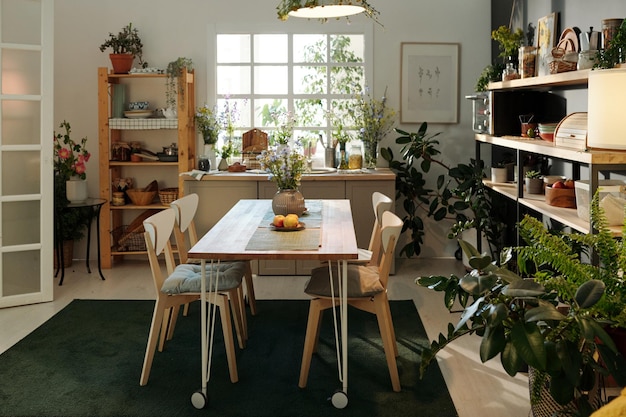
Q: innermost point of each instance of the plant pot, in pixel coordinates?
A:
(76, 190)
(499, 175)
(68, 254)
(121, 63)
(534, 185)
(288, 201)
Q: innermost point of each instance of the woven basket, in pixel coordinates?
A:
(560, 64)
(126, 240)
(140, 197)
(167, 195)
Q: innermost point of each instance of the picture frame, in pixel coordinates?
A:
(429, 82)
(546, 40)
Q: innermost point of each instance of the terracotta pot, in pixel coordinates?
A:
(122, 63)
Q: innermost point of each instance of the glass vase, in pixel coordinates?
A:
(288, 201)
(343, 157)
(370, 153)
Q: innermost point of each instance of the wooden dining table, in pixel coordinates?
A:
(246, 233)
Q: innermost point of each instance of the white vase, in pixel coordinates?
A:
(209, 150)
(76, 190)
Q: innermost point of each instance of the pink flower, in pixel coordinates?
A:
(79, 168)
(64, 153)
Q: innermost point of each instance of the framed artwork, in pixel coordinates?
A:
(546, 39)
(429, 82)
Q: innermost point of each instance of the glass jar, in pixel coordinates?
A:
(355, 160)
(203, 163)
(527, 59)
(510, 72)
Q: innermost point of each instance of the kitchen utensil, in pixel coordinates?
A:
(171, 150)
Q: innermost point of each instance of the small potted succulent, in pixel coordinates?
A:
(126, 46)
(534, 182)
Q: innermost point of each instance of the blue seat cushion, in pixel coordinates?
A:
(363, 281)
(186, 277)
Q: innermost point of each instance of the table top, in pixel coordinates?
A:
(228, 239)
(90, 202)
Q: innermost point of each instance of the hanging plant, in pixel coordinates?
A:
(286, 6)
(174, 72)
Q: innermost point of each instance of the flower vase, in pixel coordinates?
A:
(76, 190)
(209, 151)
(223, 166)
(288, 201)
(370, 153)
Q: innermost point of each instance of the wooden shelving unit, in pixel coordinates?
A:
(112, 130)
(596, 160)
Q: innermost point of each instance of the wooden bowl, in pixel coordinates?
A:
(140, 197)
(561, 197)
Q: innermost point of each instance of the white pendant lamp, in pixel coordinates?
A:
(324, 9)
(605, 124)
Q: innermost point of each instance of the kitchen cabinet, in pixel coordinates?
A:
(218, 192)
(596, 162)
(153, 133)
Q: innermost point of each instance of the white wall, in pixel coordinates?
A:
(170, 29)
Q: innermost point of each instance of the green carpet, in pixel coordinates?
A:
(86, 361)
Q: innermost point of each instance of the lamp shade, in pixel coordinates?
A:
(326, 10)
(605, 124)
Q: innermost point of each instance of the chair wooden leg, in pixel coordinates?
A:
(155, 327)
(173, 319)
(242, 312)
(250, 288)
(310, 340)
(167, 317)
(222, 303)
(235, 306)
(186, 310)
(385, 325)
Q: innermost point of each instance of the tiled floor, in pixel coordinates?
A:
(477, 389)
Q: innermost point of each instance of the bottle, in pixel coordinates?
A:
(355, 160)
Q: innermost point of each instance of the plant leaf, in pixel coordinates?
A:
(589, 293)
(511, 361)
(492, 343)
(545, 311)
(528, 342)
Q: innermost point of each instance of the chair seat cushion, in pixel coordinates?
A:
(186, 277)
(363, 281)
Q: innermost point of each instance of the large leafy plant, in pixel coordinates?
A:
(458, 194)
(518, 319)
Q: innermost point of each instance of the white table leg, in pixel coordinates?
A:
(340, 398)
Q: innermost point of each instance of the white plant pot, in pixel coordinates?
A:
(76, 190)
(499, 175)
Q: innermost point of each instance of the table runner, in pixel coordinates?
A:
(265, 238)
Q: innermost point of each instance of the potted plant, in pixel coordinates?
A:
(174, 71)
(286, 6)
(70, 158)
(613, 55)
(553, 323)
(460, 192)
(126, 46)
(534, 182)
(285, 167)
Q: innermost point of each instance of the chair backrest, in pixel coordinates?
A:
(380, 203)
(158, 230)
(391, 227)
(185, 210)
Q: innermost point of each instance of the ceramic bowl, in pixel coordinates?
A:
(138, 105)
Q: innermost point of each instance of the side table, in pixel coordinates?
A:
(96, 205)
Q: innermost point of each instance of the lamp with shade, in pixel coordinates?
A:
(324, 9)
(607, 89)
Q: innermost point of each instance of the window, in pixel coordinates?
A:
(308, 74)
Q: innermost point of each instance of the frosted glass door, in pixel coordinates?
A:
(26, 198)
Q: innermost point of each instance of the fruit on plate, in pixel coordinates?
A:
(278, 220)
(291, 221)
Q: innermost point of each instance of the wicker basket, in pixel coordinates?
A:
(140, 197)
(126, 240)
(560, 64)
(167, 195)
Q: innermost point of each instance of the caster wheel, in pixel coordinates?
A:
(199, 400)
(339, 399)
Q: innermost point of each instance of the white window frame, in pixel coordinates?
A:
(339, 28)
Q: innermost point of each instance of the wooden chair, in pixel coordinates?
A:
(371, 256)
(182, 286)
(185, 208)
(367, 290)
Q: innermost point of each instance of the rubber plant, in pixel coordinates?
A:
(459, 193)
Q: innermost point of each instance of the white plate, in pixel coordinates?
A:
(138, 114)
